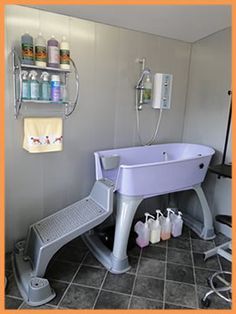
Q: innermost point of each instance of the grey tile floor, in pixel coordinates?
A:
(169, 275)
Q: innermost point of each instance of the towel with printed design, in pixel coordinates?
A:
(43, 135)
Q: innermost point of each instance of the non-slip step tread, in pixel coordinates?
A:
(69, 219)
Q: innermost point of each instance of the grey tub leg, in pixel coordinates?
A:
(126, 208)
(116, 261)
(204, 230)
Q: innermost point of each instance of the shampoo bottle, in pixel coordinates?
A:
(40, 51)
(166, 226)
(53, 53)
(143, 231)
(55, 88)
(64, 54)
(177, 225)
(34, 85)
(45, 90)
(25, 85)
(147, 92)
(155, 233)
(27, 49)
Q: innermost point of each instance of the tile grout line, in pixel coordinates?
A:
(58, 304)
(194, 274)
(100, 289)
(135, 278)
(165, 275)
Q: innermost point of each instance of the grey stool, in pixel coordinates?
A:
(223, 277)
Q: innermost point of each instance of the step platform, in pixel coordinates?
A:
(47, 236)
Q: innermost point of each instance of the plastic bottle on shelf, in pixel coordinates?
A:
(64, 54)
(177, 225)
(25, 85)
(40, 51)
(147, 92)
(143, 231)
(45, 89)
(166, 226)
(55, 88)
(27, 49)
(155, 233)
(53, 53)
(34, 85)
(64, 94)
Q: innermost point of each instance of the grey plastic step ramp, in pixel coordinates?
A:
(47, 236)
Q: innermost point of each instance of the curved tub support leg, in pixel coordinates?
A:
(204, 230)
(126, 208)
(116, 261)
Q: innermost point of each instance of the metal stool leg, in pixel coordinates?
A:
(218, 291)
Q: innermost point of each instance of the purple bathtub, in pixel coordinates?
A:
(154, 170)
(142, 172)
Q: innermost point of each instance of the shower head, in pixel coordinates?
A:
(140, 81)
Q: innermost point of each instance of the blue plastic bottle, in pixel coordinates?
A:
(44, 90)
(55, 88)
(25, 85)
(34, 85)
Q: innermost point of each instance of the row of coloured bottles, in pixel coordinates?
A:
(32, 89)
(161, 228)
(51, 54)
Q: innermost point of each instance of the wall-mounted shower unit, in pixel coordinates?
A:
(162, 87)
(155, 91)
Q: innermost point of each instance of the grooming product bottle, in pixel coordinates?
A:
(45, 88)
(147, 91)
(53, 53)
(27, 49)
(143, 231)
(177, 225)
(34, 85)
(25, 86)
(64, 93)
(166, 226)
(55, 88)
(64, 54)
(40, 51)
(155, 233)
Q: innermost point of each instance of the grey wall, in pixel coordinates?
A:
(207, 113)
(40, 184)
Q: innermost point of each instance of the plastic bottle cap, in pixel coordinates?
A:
(64, 38)
(24, 75)
(55, 78)
(40, 34)
(33, 75)
(45, 76)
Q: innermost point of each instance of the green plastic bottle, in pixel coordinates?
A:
(27, 49)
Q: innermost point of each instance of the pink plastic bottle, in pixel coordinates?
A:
(143, 231)
(53, 53)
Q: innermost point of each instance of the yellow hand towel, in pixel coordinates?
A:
(42, 135)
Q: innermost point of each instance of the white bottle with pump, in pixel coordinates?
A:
(155, 233)
(166, 226)
(143, 231)
(177, 225)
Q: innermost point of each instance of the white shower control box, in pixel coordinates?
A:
(162, 87)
